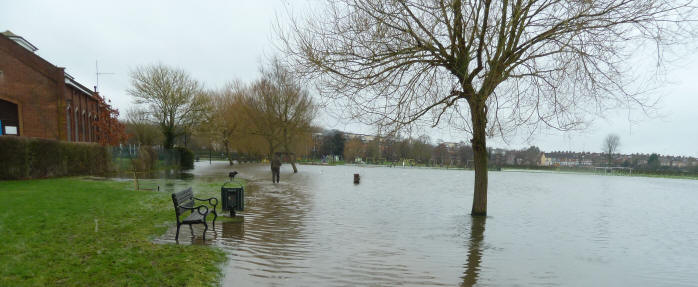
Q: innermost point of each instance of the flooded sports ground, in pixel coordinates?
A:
(411, 227)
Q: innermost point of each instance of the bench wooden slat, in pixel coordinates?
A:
(195, 217)
(184, 195)
(184, 198)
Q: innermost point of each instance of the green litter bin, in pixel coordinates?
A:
(232, 197)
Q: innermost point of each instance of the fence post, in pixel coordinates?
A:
(135, 179)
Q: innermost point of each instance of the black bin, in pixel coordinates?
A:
(232, 197)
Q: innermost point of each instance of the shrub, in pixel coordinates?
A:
(147, 158)
(22, 158)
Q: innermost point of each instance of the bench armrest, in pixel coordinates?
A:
(212, 201)
(197, 208)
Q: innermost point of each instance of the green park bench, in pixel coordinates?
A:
(184, 202)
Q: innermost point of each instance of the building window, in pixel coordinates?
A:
(67, 123)
(84, 123)
(77, 139)
(9, 118)
(89, 127)
(96, 128)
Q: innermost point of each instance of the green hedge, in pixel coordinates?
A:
(23, 158)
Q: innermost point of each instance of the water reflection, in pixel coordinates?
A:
(233, 230)
(477, 234)
(276, 240)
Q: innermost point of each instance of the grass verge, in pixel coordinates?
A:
(77, 232)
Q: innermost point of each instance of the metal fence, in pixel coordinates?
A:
(136, 158)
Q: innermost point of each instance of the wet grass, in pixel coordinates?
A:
(676, 176)
(78, 232)
(686, 175)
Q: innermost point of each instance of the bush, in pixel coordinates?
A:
(186, 158)
(22, 158)
(147, 158)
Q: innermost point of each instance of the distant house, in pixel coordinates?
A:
(568, 159)
(364, 138)
(39, 99)
(544, 161)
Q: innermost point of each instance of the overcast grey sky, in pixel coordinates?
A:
(217, 41)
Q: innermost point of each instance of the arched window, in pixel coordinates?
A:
(89, 127)
(9, 118)
(84, 123)
(76, 120)
(67, 123)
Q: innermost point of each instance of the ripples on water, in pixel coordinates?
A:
(411, 227)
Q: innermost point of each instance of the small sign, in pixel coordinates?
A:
(10, 130)
(0, 128)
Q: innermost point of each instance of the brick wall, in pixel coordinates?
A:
(83, 112)
(42, 95)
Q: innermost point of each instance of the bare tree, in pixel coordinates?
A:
(353, 149)
(279, 110)
(610, 146)
(258, 109)
(140, 128)
(486, 67)
(373, 150)
(225, 124)
(440, 154)
(422, 149)
(174, 99)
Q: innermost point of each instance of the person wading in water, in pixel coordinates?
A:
(275, 167)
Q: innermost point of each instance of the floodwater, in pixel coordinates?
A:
(411, 227)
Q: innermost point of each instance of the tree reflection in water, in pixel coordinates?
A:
(472, 268)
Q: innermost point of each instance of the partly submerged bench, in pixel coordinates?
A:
(184, 202)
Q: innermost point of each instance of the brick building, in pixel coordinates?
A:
(38, 99)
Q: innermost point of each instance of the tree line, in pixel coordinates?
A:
(379, 150)
(421, 151)
(271, 115)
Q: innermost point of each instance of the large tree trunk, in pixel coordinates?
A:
(479, 119)
(227, 152)
(169, 134)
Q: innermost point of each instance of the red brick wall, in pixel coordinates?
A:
(39, 90)
(86, 107)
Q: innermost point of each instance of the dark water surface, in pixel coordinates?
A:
(411, 227)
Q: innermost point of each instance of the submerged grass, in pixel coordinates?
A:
(78, 232)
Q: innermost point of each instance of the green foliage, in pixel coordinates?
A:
(36, 158)
(333, 143)
(653, 161)
(186, 157)
(339, 162)
(94, 233)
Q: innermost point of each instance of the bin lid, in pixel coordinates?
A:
(232, 184)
